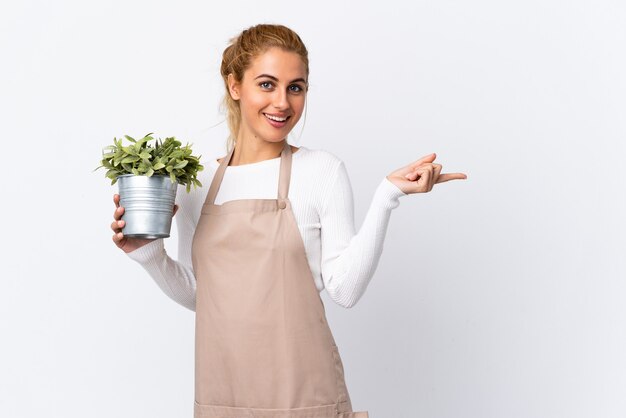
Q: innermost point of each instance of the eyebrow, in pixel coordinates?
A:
(275, 79)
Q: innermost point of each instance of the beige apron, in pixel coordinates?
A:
(263, 346)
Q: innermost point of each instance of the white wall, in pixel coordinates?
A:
(500, 296)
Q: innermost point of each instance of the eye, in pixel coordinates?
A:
(295, 88)
(265, 84)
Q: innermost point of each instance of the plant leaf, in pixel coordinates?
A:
(181, 164)
(130, 159)
(130, 150)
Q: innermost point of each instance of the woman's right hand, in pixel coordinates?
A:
(126, 244)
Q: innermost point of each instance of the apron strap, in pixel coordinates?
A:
(283, 181)
(217, 178)
(285, 172)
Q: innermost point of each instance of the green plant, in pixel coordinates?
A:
(166, 157)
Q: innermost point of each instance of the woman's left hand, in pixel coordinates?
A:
(421, 175)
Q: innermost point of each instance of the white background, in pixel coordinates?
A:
(499, 296)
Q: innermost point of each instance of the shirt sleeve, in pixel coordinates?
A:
(349, 259)
(175, 277)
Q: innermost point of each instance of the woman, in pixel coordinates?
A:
(275, 228)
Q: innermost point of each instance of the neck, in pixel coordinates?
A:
(252, 151)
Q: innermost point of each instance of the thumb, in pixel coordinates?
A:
(425, 159)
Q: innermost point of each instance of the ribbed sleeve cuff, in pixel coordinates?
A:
(149, 253)
(387, 195)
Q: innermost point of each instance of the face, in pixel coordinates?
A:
(271, 95)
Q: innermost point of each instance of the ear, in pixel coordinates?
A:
(233, 87)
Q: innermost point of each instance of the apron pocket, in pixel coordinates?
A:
(218, 411)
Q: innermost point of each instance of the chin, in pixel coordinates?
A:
(277, 138)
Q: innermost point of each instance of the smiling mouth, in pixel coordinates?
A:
(276, 118)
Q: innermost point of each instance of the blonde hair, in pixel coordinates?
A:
(238, 56)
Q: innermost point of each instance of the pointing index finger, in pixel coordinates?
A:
(451, 176)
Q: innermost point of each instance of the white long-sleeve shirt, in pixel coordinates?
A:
(341, 260)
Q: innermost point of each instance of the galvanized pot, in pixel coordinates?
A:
(148, 205)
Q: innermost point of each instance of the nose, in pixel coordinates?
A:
(280, 101)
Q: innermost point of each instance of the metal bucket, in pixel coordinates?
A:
(148, 205)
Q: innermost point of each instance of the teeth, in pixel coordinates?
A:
(276, 118)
